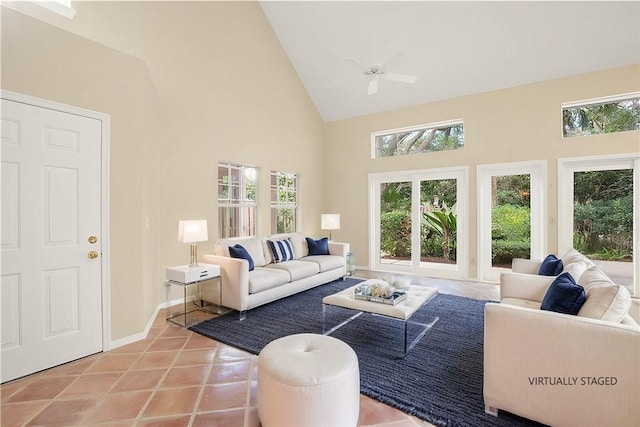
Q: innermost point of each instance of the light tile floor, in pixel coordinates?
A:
(174, 377)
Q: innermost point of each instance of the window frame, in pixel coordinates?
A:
(593, 102)
(277, 204)
(428, 126)
(247, 226)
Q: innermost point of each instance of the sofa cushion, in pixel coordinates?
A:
(593, 276)
(575, 263)
(564, 295)
(608, 303)
(281, 250)
(297, 269)
(521, 303)
(263, 278)
(326, 262)
(253, 245)
(318, 247)
(238, 251)
(550, 266)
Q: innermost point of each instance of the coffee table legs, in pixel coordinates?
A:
(407, 345)
(335, 328)
(425, 329)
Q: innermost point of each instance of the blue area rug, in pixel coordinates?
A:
(439, 381)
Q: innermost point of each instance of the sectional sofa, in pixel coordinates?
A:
(257, 277)
(562, 369)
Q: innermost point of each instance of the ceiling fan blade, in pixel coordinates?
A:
(356, 62)
(399, 58)
(373, 86)
(403, 78)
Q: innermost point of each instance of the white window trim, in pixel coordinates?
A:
(590, 102)
(538, 202)
(277, 205)
(460, 270)
(598, 101)
(436, 125)
(242, 202)
(566, 169)
(32, 7)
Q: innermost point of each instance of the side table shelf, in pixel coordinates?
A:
(192, 277)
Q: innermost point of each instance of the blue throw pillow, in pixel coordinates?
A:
(318, 247)
(237, 251)
(564, 295)
(281, 250)
(551, 266)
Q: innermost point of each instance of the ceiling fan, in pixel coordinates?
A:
(376, 72)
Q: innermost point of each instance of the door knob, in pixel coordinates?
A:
(92, 239)
(93, 254)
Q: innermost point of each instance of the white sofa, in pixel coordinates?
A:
(559, 369)
(243, 290)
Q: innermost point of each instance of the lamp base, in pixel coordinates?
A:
(194, 255)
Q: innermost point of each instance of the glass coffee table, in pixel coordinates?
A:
(417, 297)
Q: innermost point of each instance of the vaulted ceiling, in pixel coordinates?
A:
(454, 48)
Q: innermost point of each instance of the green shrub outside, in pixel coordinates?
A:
(603, 229)
(510, 233)
(395, 233)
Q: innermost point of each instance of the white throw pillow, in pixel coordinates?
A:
(576, 269)
(594, 277)
(608, 303)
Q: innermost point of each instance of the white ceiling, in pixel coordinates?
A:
(455, 48)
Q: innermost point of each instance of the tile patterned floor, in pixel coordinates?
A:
(174, 377)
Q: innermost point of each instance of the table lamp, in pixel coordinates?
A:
(193, 231)
(330, 222)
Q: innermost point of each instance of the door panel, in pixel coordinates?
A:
(511, 215)
(404, 238)
(599, 215)
(51, 204)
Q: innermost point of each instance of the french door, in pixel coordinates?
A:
(599, 205)
(418, 222)
(53, 236)
(511, 215)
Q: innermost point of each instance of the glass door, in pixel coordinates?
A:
(417, 222)
(599, 214)
(511, 209)
(394, 226)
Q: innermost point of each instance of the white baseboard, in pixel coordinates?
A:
(142, 335)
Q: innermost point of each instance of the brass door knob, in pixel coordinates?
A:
(93, 254)
(92, 239)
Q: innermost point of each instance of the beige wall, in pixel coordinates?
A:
(187, 87)
(49, 63)
(516, 124)
(194, 86)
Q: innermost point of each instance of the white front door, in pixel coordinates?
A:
(51, 223)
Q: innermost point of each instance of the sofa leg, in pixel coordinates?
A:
(242, 315)
(491, 410)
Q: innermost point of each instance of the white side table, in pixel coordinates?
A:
(185, 277)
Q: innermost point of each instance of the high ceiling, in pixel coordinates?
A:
(454, 48)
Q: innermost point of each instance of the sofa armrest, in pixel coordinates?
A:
(560, 369)
(634, 310)
(337, 248)
(235, 280)
(527, 266)
(524, 286)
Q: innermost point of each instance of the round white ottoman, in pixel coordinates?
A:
(308, 380)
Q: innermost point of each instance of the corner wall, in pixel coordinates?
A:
(187, 84)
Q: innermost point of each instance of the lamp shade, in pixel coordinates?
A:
(193, 231)
(330, 221)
